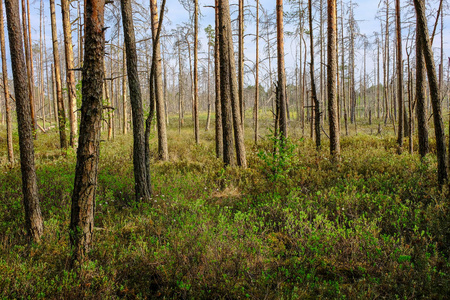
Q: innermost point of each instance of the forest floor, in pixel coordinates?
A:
(290, 226)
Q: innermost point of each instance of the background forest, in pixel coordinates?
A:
(224, 149)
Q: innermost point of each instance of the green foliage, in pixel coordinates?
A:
(78, 93)
(289, 226)
(278, 162)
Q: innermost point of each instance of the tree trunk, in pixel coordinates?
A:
(224, 35)
(29, 67)
(195, 108)
(54, 101)
(41, 64)
(9, 133)
(386, 51)
(80, 35)
(208, 117)
(70, 74)
(378, 78)
(160, 112)
(124, 94)
(33, 217)
(352, 93)
(59, 96)
(313, 84)
(281, 72)
(219, 115)
(335, 147)
(344, 98)
(142, 190)
(83, 198)
(241, 61)
(422, 30)
(399, 76)
(180, 89)
(107, 99)
(256, 74)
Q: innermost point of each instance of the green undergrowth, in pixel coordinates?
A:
(293, 225)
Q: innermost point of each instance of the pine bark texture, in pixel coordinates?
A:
(228, 77)
(70, 74)
(33, 217)
(314, 98)
(28, 62)
(9, 139)
(57, 64)
(195, 108)
(421, 110)
(160, 111)
(399, 76)
(142, 191)
(83, 198)
(335, 147)
(225, 94)
(281, 71)
(219, 129)
(422, 28)
(256, 74)
(241, 61)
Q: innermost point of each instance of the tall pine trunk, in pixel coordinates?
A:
(70, 74)
(57, 64)
(142, 190)
(281, 72)
(314, 98)
(225, 80)
(422, 30)
(256, 74)
(29, 65)
(33, 217)
(195, 108)
(83, 197)
(399, 76)
(219, 115)
(333, 118)
(9, 137)
(160, 111)
(241, 60)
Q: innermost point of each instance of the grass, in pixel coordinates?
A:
(373, 226)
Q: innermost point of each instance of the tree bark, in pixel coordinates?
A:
(41, 64)
(33, 217)
(208, 84)
(229, 58)
(9, 138)
(241, 61)
(399, 76)
(29, 67)
(160, 112)
(83, 198)
(180, 89)
(124, 94)
(219, 115)
(257, 73)
(313, 84)
(142, 190)
(281, 72)
(195, 108)
(224, 35)
(70, 74)
(422, 30)
(57, 62)
(335, 147)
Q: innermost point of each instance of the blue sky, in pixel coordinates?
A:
(365, 12)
